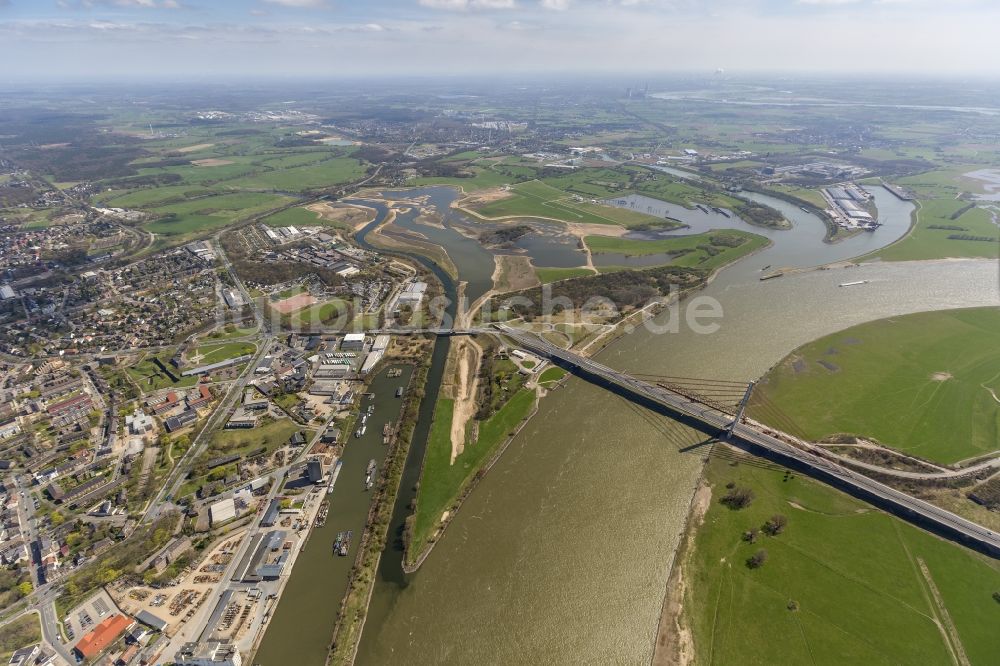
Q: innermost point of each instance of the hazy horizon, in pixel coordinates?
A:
(302, 39)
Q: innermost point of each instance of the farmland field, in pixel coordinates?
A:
(209, 213)
(923, 384)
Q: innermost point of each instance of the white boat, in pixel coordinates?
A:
(852, 284)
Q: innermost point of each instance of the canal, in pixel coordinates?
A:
(303, 622)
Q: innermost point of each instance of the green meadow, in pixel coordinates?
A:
(922, 383)
(547, 275)
(695, 251)
(214, 353)
(842, 584)
(209, 213)
(925, 242)
(537, 199)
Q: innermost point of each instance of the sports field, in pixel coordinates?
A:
(327, 313)
(293, 303)
(842, 584)
(927, 384)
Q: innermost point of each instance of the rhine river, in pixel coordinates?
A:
(562, 553)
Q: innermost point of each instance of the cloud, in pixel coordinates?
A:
(462, 5)
(123, 4)
(557, 5)
(304, 4)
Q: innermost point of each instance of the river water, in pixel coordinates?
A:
(562, 553)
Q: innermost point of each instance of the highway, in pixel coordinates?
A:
(773, 442)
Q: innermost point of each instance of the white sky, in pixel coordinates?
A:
(265, 38)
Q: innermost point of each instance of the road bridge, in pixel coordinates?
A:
(767, 442)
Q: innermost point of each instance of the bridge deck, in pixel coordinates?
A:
(716, 420)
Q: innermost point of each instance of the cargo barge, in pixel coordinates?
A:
(324, 509)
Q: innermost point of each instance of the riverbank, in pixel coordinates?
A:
(353, 611)
(414, 559)
(320, 581)
(674, 644)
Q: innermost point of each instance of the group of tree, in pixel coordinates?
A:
(626, 290)
(757, 560)
(737, 497)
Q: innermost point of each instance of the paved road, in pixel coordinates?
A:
(772, 441)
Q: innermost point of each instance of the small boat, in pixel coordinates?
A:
(852, 284)
(370, 474)
(805, 209)
(771, 276)
(337, 543)
(399, 392)
(765, 268)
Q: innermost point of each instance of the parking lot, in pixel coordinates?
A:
(89, 614)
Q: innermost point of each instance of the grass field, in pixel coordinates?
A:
(19, 633)
(547, 275)
(870, 589)
(480, 180)
(230, 331)
(157, 195)
(324, 313)
(686, 193)
(537, 199)
(209, 213)
(308, 177)
(551, 375)
(240, 442)
(150, 378)
(212, 353)
(441, 482)
(295, 217)
(919, 383)
(926, 243)
(695, 251)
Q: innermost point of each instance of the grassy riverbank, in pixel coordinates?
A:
(923, 384)
(825, 595)
(442, 482)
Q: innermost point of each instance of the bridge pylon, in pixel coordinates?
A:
(740, 410)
